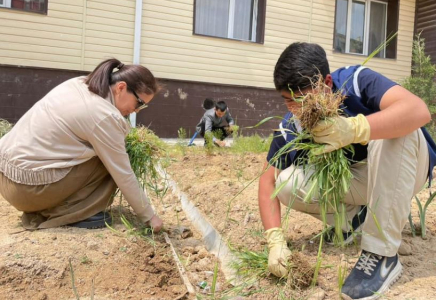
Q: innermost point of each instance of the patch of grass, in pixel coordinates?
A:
(251, 144)
(5, 127)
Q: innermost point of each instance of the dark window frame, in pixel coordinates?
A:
(260, 28)
(44, 12)
(392, 25)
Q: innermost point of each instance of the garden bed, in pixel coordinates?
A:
(122, 264)
(222, 187)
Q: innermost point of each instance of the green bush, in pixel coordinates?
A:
(422, 81)
(5, 127)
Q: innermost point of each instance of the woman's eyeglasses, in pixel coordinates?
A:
(141, 104)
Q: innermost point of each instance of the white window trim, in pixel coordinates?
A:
(232, 20)
(366, 26)
(6, 3)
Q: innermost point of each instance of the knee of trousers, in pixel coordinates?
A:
(290, 192)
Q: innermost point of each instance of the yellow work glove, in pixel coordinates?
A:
(278, 252)
(338, 132)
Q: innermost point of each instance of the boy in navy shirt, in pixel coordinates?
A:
(393, 159)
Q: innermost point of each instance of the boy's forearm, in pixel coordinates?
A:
(269, 209)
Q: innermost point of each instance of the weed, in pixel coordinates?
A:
(251, 144)
(422, 210)
(73, 281)
(181, 144)
(85, 260)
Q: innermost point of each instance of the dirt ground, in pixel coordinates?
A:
(222, 187)
(120, 264)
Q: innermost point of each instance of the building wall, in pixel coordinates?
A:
(74, 35)
(426, 25)
(171, 50)
(77, 35)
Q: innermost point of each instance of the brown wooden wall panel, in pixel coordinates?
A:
(177, 105)
(425, 22)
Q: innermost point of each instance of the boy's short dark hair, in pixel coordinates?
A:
(221, 105)
(208, 103)
(298, 64)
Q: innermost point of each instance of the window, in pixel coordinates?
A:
(232, 19)
(39, 6)
(363, 25)
(5, 3)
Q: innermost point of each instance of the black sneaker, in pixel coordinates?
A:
(371, 276)
(356, 224)
(98, 220)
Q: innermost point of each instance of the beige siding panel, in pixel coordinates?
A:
(44, 27)
(220, 61)
(153, 44)
(64, 15)
(115, 39)
(126, 3)
(106, 28)
(64, 2)
(168, 24)
(19, 47)
(205, 76)
(6, 14)
(109, 49)
(29, 55)
(7, 38)
(219, 71)
(106, 42)
(109, 22)
(69, 6)
(114, 17)
(186, 5)
(100, 55)
(165, 10)
(123, 12)
(109, 32)
(41, 34)
(38, 63)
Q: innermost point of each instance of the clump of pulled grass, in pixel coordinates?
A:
(145, 149)
(329, 173)
(5, 127)
(251, 267)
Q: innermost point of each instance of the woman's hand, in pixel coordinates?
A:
(155, 223)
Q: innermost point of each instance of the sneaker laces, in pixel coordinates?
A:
(367, 262)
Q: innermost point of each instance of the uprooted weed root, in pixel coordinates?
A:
(300, 272)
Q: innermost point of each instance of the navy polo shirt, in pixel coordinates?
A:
(364, 90)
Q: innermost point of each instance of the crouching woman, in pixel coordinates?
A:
(63, 160)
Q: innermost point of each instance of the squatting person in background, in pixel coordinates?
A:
(63, 160)
(212, 124)
(393, 158)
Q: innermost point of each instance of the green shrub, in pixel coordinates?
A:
(5, 127)
(422, 81)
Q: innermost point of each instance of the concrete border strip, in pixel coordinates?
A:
(212, 239)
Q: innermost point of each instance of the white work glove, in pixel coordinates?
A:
(278, 252)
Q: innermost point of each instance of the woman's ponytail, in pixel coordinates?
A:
(99, 80)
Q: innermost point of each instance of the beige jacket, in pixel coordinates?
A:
(67, 127)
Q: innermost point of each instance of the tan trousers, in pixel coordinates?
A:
(85, 191)
(396, 169)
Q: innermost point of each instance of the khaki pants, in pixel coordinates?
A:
(86, 190)
(396, 169)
